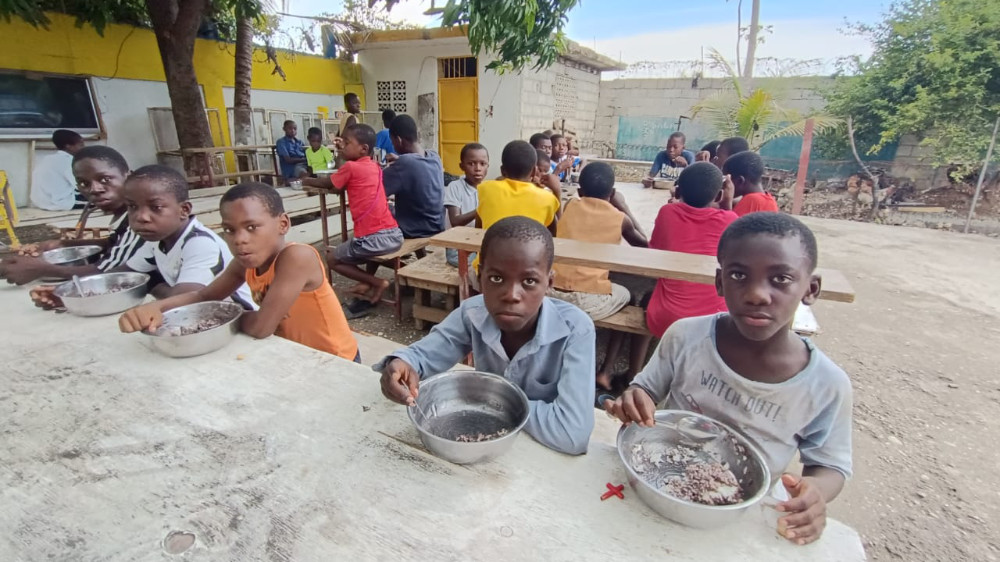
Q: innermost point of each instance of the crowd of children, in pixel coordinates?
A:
(532, 320)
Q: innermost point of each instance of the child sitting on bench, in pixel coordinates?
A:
(461, 197)
(288, 281)
(745, 170)
(542, 345)
(747, 369)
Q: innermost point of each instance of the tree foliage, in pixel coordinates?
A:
(935, 73)
(754, 113)
(518, 32)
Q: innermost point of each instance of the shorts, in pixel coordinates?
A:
(598, 307)
(451, 256)
(640, 287)
(357, 251)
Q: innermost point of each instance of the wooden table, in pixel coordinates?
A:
(626, 259)
(267, 450)
(324, 211)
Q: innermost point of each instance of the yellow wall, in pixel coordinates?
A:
(66, 49)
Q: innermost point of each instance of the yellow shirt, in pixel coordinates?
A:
(500, 199)
(318, 160)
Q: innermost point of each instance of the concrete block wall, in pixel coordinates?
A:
(912, 161)
(539, 105)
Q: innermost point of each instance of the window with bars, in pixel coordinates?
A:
(391, 95)
(456, 67)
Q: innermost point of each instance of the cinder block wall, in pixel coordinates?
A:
(565, 90)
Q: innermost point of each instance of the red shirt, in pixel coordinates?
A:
(682, 228)
(756, 202)
(369, 207)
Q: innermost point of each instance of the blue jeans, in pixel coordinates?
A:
(451, 256)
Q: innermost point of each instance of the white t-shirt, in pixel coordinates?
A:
(53, 186)
(199, 256)
(462, 195)
(810, 412)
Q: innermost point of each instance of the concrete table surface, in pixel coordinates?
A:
(267, 450)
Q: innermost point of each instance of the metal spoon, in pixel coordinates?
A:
(698, 429)
(76, 283)
(422, 412)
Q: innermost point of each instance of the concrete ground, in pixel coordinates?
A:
(916, 344)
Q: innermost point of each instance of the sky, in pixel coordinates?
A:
(672, 30)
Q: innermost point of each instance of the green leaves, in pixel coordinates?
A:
(935, 73)
(517, 32)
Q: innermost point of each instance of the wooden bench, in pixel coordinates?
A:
(395, 261)
(425, 276)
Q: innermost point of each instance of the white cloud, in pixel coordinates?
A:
(791, 39)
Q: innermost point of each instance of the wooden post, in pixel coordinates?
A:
(800, 181)
(982, 175)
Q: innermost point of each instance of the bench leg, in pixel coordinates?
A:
(424, 298)
(396, 263)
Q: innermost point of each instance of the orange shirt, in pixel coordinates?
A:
(590, 220)
(315, 319)
(756, 202)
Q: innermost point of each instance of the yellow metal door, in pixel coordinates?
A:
(458, 119)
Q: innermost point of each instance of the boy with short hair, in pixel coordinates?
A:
(291, 152)
(544, 346)
(562, 162)
(318, 157)
(383, 142)
(515, 194)
(592, 218)
(745, 170)
(729, 147)
(542, 142)
(707, 152)
(186, 253)
(352, 103)
(53, 186)
(670, 161)
(100, 173)
(461, 197)
(749, 370)
(375, 231)
(416, 178)
(288, 281)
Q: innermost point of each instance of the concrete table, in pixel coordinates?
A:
(267, 450)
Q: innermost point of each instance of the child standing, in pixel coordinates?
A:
(544, 346)
(669, 162)
(53, 187)
(288, 281)
(186, 253)
(749, 370)
(745, 170)
(375, 231)
(592, 218)
(318, 157)
(100, 173)
(461, 197)
(416, 178)
(291, 152)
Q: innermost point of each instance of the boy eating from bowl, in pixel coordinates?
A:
(544, 346)
(748, 369)
(288, 281)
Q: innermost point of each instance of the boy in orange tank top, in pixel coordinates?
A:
(288, 281)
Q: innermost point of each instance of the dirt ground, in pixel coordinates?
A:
(926, 385)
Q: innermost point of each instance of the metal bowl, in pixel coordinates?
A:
(170, 340)
(73, 255)
(743, 458)
(105, 293)
(468, 403)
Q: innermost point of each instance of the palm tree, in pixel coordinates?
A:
(753, 113)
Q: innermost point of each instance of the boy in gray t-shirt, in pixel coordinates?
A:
(747, 369)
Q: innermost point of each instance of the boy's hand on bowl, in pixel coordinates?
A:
(634, 405)
(144, 317)
(44, 298)
(647, 182)
(400, 382)
(807, 510)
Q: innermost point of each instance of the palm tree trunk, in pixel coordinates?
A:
(175, 24)
(242, 116)
(752, 40)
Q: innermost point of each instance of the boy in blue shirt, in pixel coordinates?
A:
(543, 345)
(749, 370)
(669, 162)
(291, 152)
(383, 142)
(416, 178)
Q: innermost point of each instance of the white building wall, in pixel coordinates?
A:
(565, 90)
(415, 62)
